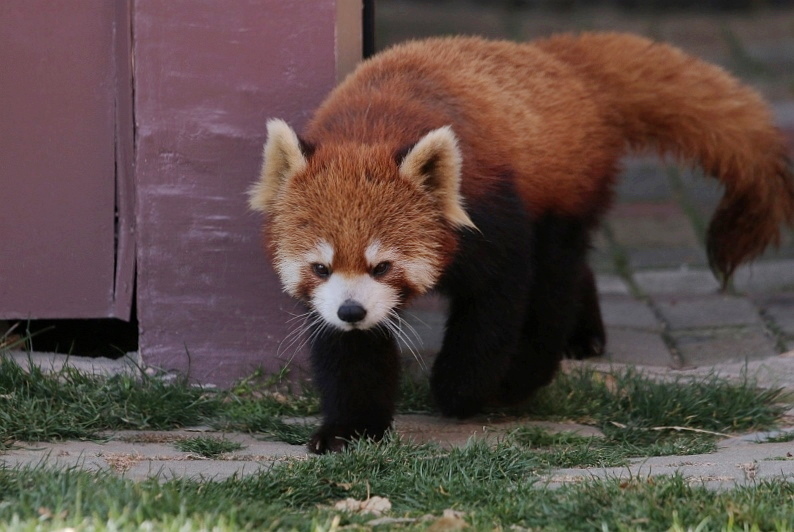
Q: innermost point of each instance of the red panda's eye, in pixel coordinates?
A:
(381, 269)
(321, 270)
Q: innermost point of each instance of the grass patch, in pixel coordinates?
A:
(639, 416)
(250, 416)
(567, 449)
(415, 396)
(491, 488)
(783, 437)
(37, 405)
(637, 409)
(207, 447)
(270, 406)
(67, 404)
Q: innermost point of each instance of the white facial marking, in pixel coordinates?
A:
(378, 299)
(421, 273)
(371, 253)
(323, 253)
(376, 253)
(291, 269)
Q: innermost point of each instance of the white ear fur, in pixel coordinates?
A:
(282, 158)
(435, 163)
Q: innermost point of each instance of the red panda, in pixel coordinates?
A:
(479, 169)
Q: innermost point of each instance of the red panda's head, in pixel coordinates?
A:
(356, 229)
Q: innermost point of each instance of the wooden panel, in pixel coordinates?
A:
(208, 76)
(57, 158)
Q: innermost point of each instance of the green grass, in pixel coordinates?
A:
(567, 449)
(67, 404)
(493, 486)
(629, 406)
(639, 416)
(270, 406)
(779, 438)
(415, 395)
(208, 447)
(45, 406)
(654, 417)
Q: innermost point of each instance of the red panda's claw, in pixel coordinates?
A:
(335, 438)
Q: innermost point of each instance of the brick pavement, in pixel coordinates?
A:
(654, 238)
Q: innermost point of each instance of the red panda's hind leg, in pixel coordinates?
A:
(561, 314)
(589, 337)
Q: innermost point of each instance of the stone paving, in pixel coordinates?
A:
(734, 465)
(654, 239)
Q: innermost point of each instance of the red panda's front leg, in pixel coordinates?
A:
(357, 374)
(487, 284)
(482, 334)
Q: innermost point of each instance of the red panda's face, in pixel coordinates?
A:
(353, 231)
(354, 239)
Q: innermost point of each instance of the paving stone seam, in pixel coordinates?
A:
(774, 329)
(666, 331)
(688, 204)
(739, 328)
(625, 272)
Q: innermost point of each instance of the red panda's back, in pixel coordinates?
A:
(516, 110)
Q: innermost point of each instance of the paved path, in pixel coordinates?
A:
(142, 454)
(736, 465)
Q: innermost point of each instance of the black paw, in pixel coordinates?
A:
(525, 376)
(334, 438)
(456, 397)
(588, 347)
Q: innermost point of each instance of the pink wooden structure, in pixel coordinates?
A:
(65, 151)
(131, 133)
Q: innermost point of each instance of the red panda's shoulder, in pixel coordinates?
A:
(519, 113)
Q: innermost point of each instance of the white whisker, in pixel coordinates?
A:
(298, 316)
(318, 326)
(416, 317)
(298, 337)
(406, 325)
(289, 341)
(395, 324)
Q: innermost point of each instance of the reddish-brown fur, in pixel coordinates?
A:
(559, 113)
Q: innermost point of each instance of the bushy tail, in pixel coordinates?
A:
(680, 105)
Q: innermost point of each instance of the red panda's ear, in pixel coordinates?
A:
(283, 156)
(435, 163)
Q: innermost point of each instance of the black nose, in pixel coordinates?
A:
(351, 311)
